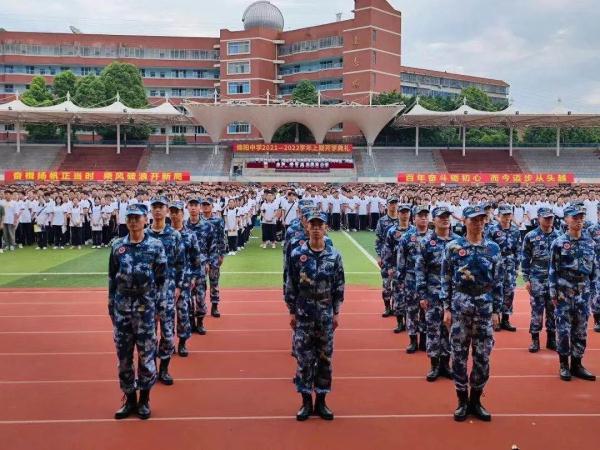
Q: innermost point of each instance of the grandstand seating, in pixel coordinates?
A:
(199, 161)
(480, 161)
(32, 157)
(583, 162)
(388, 162)
(100, 157)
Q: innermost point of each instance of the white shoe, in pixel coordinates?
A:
(20, 245)
(37, 248)
(273, 245)
(263, 246)
(12, 249)
(45, 248)
(79, 247)
(1, 251)
(62, 248)
(55, 248)
(93, 246)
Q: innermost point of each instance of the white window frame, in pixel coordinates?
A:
(239, 82)
(239, 62)
(238, 42)
(237, 124)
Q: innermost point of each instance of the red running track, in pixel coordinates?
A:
(58, 386)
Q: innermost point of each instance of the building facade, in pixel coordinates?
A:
(347, 60)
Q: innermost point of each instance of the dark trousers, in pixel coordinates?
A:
(97, 238)
(352, 222)
(123, 230)
(106, 234)
(76, 236)
(24, 234)
(363, 222)
(336, 220)
(58, 236)
(268, 232)
(374, 220)
(42, 237)
(232, 243)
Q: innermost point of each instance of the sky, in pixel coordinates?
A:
(545, 49)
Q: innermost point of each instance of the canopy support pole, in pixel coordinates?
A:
(417, 141)
(118, 139)
(18, 130)
(558, 141)
(370, 149)
(68, 138)
(464, 141)
(216, 149)
(510, 144)
(167, 140)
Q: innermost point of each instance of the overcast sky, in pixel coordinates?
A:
(545, 49)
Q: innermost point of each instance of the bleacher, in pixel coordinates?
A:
(103, 157)
(32, 157)
(583, 162)
(477, 161)
(388, 162)
(199, 161)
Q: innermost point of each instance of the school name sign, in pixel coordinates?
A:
(486, 178)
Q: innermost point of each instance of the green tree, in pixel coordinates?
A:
(125, 79)
(38, 94)
(64, 82)
(304, 92)
(89, 92)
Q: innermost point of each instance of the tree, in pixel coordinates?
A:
(39, 94)
(64, 82)
(89, 92)
(304, 92)
(125, 79)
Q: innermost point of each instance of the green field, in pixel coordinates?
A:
(252, 267)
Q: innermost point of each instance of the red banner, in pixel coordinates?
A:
(486, 178)
(293, 148)
(95, 176)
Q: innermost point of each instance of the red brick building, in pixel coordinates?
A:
(347, 60)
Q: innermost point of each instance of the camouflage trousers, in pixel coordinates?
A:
(572, 315)
(471, 329)
(198, 301)
(540, 302)
(214, 273)
(415, 316)
(131, 330)
(387, 287)
(596, 305)
(184, 326)
(313, 349)
(398, 299)
(509, 283)
(166, 321)
(438, 341)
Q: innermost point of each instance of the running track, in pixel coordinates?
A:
(58, 387)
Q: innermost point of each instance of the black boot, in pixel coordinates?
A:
(462, 410)
(551, 340)
(434, 372)
(565, 372)
(577, 370)
(422, 342)
(445, 370)
(321, 408)
(214, 310)
(476, 408)
(400, 328)
(505, 324)
(597, 322)
(182, 349)
(128, 407)
(200, 326)
(535, 343)
(163, 372)
(143, 410)
(306, 409)
(412, 347)
(388, 311)
(193, 324)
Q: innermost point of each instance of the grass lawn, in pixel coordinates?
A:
(253, 267)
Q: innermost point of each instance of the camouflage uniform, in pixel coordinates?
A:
(381, 231)
(471, 289)
(175, 251)
(314, 294)
(594, 232)
(408, 251)
(207, 244)
(136, 281)
(509, 241)
(194, 270)
(428, 282)
(390, 261)
(535, 262)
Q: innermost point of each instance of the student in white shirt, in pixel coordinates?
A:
(58, 224)
(363, 212)
(41, 217)
(107, 215)
(75, 215)
(230, 215)
(96, 222)
(268, 217)
(11, 219)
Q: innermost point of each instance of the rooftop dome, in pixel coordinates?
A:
(262, 14)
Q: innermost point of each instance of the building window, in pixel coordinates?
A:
(42, 71)
(9, 69)
(202, 92)
(238, 128)
(30, 70)
(374, 35)
(163, 93)
(238, 47)
(238, 87)
(85, 70)
(199, 129)
(152, 74)
(240, 67)
(374, 57)
(177, 92)
(179, 129)
(338, 127)
(9, 88)
(143, 73)
(179, 74)
(153, 93)
(9, 127)
(52, 70)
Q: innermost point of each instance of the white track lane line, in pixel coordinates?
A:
(363, 251)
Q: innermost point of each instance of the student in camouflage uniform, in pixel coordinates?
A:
(175, 251)
(408, 251)
(594, 232)
(214, 264)
(471, 291)
(535, 263)
(508, 238)
(137, 272)
(207, 243)
(193, 270)
(383, 225)
(428, 281)
(314, 295)
(572, 279)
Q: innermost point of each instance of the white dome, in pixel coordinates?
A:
(262, 14)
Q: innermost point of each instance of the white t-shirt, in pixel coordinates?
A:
(230, 216)
(336, 204)
(292, 207)
(591, 209)
(122, 212)
(10, 210)
(25, 207)
(519, 217)
(76, 213)
(42, 212)
(96, 217)
(58, 217)
(268, 212)
(107, 211)
(362, 206)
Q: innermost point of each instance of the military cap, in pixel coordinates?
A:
(545, 212)
(176, 205)
(440, 211)
(159, 201)
(136, 210)
(574, 210)
(317, 215)
(473, 211)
